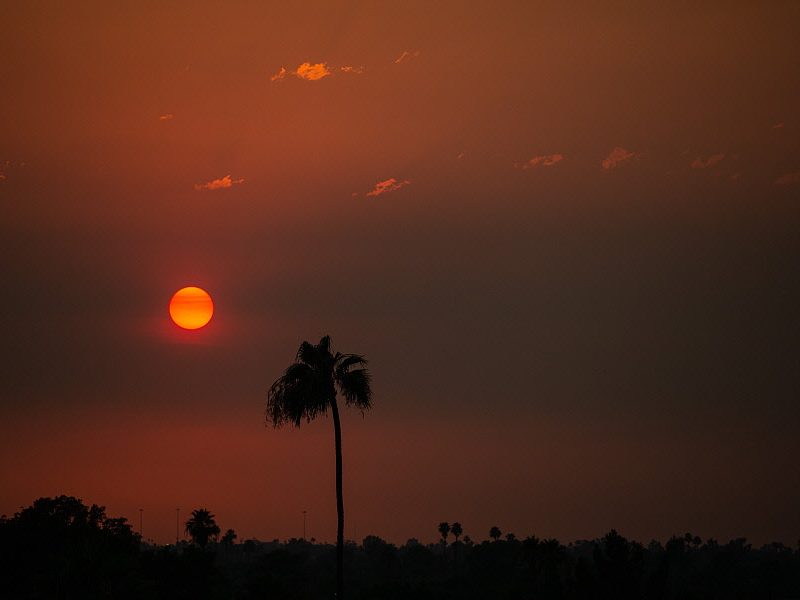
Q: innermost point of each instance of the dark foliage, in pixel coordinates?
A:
(61, 549)
(202, 527)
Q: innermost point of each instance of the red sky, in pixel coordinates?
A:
(565, 237)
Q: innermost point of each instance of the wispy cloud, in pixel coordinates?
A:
(616, 157)
(2, 177)
(218, 184)
(701, 163)
(780, 125)
(406, 56)
(279, 75)
(389, 185)
(788, 179)
(166, 117)
(351, 69)
(546, 160)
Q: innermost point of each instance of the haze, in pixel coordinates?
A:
(565, 238)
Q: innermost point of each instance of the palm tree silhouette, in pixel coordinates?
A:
(201, 527)
(444, 531)
(495, 533)
(456, 530)
(307, 389)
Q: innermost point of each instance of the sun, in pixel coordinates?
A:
(191, 308)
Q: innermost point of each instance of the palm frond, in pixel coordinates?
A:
(355, 387)
(296, 395)
(319, 357)
(343, 362)
(324, 345)
(307, 353)
(309, 385)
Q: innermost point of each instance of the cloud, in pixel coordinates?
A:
(218, 184)
(307, 71)
(389, 185)
(699, 163)
(279, 75)
(780, 125)
(313, 72)
(354, 70)
(166, 117)
(616, 157)
(788, 179)
(546, 160)
(405, 56)
(2, 177)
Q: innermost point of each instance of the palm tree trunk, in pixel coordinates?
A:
(337, 429)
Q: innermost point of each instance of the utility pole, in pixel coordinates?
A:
(177, 525)
(141, 532)
(304, 525)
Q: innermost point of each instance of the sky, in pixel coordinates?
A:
(565, 237)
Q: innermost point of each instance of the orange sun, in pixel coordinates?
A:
(191, 308)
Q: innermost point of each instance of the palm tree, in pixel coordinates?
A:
(201, 527)
(444, 531)
(495, 533)
(307, 389)
(456, 530)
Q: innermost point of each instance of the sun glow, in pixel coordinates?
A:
(191, 308)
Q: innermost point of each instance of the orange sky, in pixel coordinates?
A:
(565, 237)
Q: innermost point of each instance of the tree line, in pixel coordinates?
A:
(61, 548)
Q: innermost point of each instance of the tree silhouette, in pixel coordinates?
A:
(495, 533)
(307, 389)
(229, 538)
(202, 527)
(444, 531)
(456, 530)
(61, 548)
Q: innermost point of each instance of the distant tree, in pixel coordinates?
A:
(61, 548)
(456, 530)
(510, 537)
(495, 533)
(444, 531)
(374, 545)
(619, 565)
(307, 389)
(229, 537)
(202, 527)
(692, 540)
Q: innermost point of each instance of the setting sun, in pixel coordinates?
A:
(191, 308)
